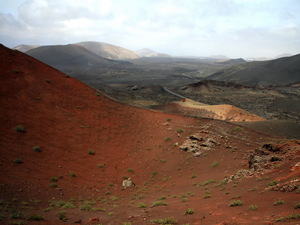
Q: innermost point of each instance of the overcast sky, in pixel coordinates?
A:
(236, 28)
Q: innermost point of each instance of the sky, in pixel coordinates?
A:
(235, 28)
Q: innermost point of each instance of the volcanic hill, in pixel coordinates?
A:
(65, 149)
(280, 71)
(107, 50)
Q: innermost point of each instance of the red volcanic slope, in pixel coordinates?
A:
(69, 120)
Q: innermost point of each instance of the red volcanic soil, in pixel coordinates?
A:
(89, 142)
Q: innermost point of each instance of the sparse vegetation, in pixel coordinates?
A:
(142, 205)
(167, 221)
(53, 185)
(36, 148)
(18, 161)
(279, 202)
(168, 139)
(91, 152)
(20, 128)
(207, 195)
(236, 203)
(297, 206)
(72, 174)
(253, 207)
(289, 217)
(193, 176)
(158, 203)
(215, 164)
(130, 170)
(206, 182)
(35, 217)
(273, 183)
(102, 165)
(189, 211)
(62, 215)
(179, 130)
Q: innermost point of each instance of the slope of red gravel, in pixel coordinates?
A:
(99, 141)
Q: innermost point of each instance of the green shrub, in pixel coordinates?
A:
(16, 214)
(167, 221)
(72, 174)
(189, 211)
(91, 152)
(62, 215)
(279, 202)
(54, 179)
(236, 203)
(142, 205)
(168, 139)
(253, 207)
(179, 130)
(206, 182)
(53, 185)
(273, 183)
(20, 128)
(36, 149)
(130, 170)
(18, 161)
(102, 165)
(215, 164)
(207, 195)
(289, 217)
(158, 203)
(297, 206)
(35, 217)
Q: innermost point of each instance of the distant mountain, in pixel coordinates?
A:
(71, 58)
(145, 52)
(107, 50)
(25, 48)
(281, 71)
(231, 61)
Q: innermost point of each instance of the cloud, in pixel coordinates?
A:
(200, 27)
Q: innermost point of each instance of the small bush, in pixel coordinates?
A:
(142, 205)
(62, 215)
(189, 211)
(207, 195)
(168, 139)
(179, 130)
(158, 203)
(130, 170)
(289, 217)
(169, 119)
(127, 223)
(72, 174)
(53, 179)
(253, 207)
(273, 183)
(36, 149)
(167, 221)
(16, 214)
(110, 214)
(162, 198)
(102, 165)
(236, 203)
(91, 152)
(297, 206)
(53, 185)
(114, 198)
(18, 161)
(215, 164)
(279, 202)
(20, 128)
(193, 176)
(35, 217)
(206, 182)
